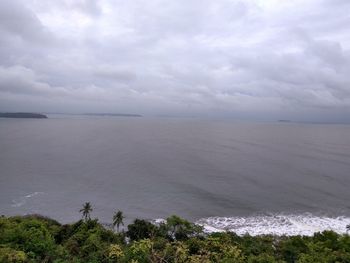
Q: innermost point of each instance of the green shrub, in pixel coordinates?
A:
(141, 229)
(9, 255)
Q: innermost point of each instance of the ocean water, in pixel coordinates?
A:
(257, 178)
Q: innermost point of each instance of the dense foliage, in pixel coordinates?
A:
(40, 239)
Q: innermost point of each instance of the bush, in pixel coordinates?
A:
(9, 255)
(141, 229)
(180, 229)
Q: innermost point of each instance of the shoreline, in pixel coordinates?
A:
(305, 224)
(35, 238)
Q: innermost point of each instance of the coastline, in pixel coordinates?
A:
(36, 238)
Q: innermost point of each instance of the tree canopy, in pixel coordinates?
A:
(39, 239)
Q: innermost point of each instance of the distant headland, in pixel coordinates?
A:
(25, 115)
(113, 114)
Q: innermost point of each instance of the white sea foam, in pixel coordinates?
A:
(23, 199)
(158, 221)
(290, 225)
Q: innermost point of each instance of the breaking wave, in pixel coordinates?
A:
(289, 225)
(23, 199)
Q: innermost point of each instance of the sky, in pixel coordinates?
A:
(246, 59)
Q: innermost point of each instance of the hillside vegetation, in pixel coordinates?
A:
(36, 238)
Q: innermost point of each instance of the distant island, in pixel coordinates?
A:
(113, 114)
(25, 115)
(284, 120)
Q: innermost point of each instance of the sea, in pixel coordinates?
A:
(280, 178)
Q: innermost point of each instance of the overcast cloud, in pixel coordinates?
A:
(263, 59)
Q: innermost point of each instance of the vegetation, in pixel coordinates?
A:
(25, 115)
(118, 218)
(87, 208)
(39, 239)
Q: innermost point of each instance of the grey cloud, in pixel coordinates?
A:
(115, 74)
(253, 58)
(21, 80)
(89, 6)
(18, 20)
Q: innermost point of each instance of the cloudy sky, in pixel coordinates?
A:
(263, 59)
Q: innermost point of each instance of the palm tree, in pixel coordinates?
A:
(87, 208)
(118, 219)
(348, 228)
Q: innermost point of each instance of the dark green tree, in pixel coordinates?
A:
(141, 229)
(181, 229)
(87, 208)
(118, 219)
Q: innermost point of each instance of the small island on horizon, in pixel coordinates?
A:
(112, 114)
(25, 115)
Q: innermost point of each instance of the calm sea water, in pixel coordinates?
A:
(274, 177)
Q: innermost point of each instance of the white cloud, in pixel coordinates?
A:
(259, 58)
